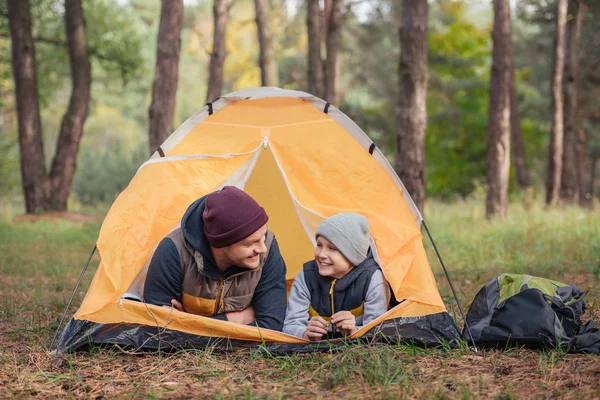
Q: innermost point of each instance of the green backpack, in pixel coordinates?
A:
(531, 311)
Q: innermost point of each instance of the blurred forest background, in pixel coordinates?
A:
(121, 38)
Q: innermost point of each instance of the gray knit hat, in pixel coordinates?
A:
(349, 232)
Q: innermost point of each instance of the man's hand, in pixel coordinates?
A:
(244, 317)
(315, 329)
(177, 305)
(345, 322)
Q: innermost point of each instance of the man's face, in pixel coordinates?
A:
(246, 253)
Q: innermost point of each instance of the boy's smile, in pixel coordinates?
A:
(330, 260)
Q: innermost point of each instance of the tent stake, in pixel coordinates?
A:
(71, 298)
(451, 286)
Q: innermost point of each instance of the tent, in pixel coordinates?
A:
(302, 160)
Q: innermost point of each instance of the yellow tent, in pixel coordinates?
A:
(302, 160)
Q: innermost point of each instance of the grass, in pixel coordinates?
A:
(41, 258)
(562, 244)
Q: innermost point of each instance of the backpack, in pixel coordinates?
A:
(531, 311)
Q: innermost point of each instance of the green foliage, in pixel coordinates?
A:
(371, 57)
(459, 51)
(457, 102)
(107, 172)
(293, 45)
(114, 37)
(108, 160)
(9, 164)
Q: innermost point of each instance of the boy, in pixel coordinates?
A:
(343, 288)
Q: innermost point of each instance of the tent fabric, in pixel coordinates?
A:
(421, 331)
(302, 165)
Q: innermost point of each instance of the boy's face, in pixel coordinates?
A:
(330, 260)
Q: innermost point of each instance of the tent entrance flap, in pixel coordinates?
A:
(267, 186)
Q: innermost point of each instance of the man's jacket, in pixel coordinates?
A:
(183, 268)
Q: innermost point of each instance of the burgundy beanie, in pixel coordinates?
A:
(231, 215)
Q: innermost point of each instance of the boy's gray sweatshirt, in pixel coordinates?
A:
(296, 318)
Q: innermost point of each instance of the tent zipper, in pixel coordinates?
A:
(332, 304)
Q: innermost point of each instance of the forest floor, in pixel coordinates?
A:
(41, 258)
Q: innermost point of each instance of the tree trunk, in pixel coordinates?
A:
(217, 57)
(593, 179)
(266, 58)
(43, 192)
(333, 40)
(71, 129)
(164, 88)
(516, 136)
(555, 149)
(569, 189)
(315, 63)
(412, 112)
(580, 149)
(499, 121)
(36, 186)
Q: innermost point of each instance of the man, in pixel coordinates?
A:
(222, 263)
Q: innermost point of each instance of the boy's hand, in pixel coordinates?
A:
(315, 329)
(345, 322)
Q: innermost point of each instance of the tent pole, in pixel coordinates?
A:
(451, 286)
(71, 298)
